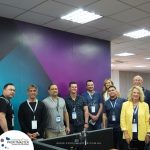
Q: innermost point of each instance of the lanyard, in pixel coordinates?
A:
(113, 106)
(8, 102)
(57, 105)
(135, 109)
(31, 107)
(91, 97)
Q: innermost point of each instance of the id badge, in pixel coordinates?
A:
(34, 124)
(134, 127)
(113, 118)
(93, 109)
(58, 119)
(74, 115)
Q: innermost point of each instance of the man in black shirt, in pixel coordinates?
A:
(32, 115)
(77, 110)
(6, 109)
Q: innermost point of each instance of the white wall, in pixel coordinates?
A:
(115, 78)
(125, 80)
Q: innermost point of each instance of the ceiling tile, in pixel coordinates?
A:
(53, 9)
(122, 39)
(34, 18)
(61, 24)
(104, 35)
(130, 15)
(134, 2)
(113, 6)
(25, 4)
(143, 23)
(122, 29)
(9, 12)
(83, 30)
(78, 3)
(145, 7)
(104, 23)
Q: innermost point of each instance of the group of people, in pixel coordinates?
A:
(56, 116)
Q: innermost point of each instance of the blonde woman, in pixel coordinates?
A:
(107, 84)
(135, 119)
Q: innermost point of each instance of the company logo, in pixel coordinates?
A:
(15, 140)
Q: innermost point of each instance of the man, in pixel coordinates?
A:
(94, 101)
(6, 109)
(77, 109)
(31, 114)
(56, 114)
(112, 110)
(138, 81)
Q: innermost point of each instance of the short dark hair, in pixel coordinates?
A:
(72, 82)
(51, 85)
(89, 81)
(6, 85)
(112, 86)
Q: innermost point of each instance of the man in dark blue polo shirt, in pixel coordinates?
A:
(77, 109)
(112, 110)
(94, 101)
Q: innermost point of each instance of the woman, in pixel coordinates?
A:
(135, 120)
(107, 84)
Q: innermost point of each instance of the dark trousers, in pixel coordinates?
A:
(134, 145)
(97, 126)
(117, 139)
(76, 129)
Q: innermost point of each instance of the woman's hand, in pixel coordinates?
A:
(127, 137)
(147, 139)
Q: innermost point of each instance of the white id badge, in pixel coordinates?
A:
(74, 115)
(93, 109)
(13, 120)
(34, 124)
(113, 118)
(134, 127)
(58, 119)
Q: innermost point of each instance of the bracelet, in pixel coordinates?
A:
(85, 123)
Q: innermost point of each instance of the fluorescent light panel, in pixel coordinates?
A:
(138, 34)
(124, 54)
(140, 66)
(81, 16)
(148, 58)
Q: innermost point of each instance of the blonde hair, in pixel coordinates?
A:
(105, 81)
(140, 91)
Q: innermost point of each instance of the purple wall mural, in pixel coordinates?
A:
(68, 57)
(34, 54)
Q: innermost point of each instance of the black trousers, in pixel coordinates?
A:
(117, 139)
(134, 145)
(76, 129)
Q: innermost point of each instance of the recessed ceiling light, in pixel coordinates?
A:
(124, 54)
(140, 66)
(81, 16)
(148, 58)
(138, 34)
